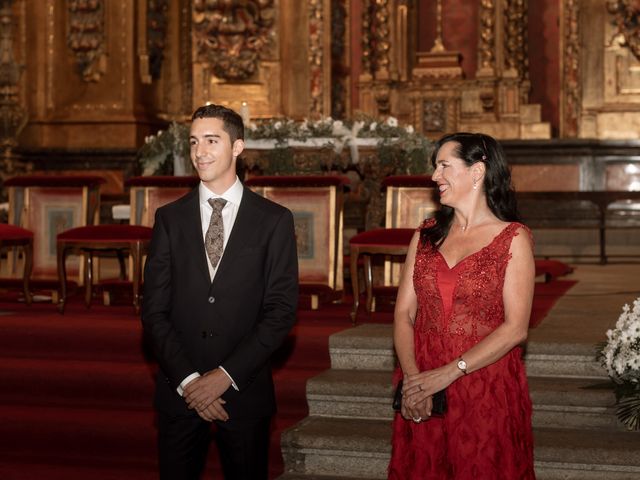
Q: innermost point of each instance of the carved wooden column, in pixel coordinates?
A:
(570, 69)
(13, 115)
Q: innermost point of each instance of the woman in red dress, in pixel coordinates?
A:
(461, 314)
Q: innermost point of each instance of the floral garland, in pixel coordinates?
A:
(620, 356)
(168, 150)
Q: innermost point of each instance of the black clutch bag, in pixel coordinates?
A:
(439, 401)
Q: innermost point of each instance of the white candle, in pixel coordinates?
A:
(244, 113)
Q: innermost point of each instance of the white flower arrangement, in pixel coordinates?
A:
(399, 146)
(620, 356)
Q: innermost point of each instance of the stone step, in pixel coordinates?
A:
(566, 360)
(361, 449)
(311, 476)
(365, 347)
(337, 447)
(573, 403)
(575, 454)
(348, 393)
(557, 402)
(370, 347)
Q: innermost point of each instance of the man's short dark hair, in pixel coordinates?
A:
(231, 121)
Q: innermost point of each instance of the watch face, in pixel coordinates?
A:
(462, 365)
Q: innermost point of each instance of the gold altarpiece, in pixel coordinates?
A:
(600, 48)
(427, 88)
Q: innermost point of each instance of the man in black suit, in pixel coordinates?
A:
(220, 296)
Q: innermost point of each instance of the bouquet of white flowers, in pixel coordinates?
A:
(620, 356)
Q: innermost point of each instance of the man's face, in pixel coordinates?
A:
(212, 154)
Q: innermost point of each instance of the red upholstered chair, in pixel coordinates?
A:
(96, 239)
(409, 200)
(13, 236)
(317, 205)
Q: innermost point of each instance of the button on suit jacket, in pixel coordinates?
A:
(238, 320)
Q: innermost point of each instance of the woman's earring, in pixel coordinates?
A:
(475, 185)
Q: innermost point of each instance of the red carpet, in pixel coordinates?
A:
(76, 389)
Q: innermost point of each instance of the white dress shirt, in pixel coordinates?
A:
(233, 196)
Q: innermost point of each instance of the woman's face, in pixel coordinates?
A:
(453, 176)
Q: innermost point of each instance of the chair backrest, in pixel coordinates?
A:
(147, 194)
(316, 202)
(48, 205)
(409, 200)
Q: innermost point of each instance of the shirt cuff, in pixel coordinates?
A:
(233, 384)
(186, 381)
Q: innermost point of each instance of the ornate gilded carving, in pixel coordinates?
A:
(339, 59)
(156, 34)
(367, 51)
(571, 70)
(233, 35)
(13, 117)
(85, 37)
(434, 116)
(516, 56)
(627, 18)
(316, 56)
(382, 38)
(487, 38)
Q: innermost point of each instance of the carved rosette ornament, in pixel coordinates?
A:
(627, 19)
(487, 38)
(315, 56)
(571, 70)
(85, 37)
(233, 35)
(515, 42)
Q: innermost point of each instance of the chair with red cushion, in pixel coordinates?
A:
(100, 239)
(409, 200)
(14, 236)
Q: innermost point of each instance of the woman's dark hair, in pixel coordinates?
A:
(501, 198)
(231, 121)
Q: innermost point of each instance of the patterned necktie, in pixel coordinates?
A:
(214, 239)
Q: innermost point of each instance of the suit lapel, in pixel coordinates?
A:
(192, 229)
(246, 224)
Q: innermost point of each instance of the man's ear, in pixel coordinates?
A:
(238, 147)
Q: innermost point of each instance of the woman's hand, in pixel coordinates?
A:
(418, 388)
(418, 412)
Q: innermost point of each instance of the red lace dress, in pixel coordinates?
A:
(486, 431)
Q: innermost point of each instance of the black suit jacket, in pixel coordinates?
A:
(236, 321)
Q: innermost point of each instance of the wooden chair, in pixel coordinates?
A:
(96, 240)
(317, 204)
(13, 236)
(409, 200)
(147, 194)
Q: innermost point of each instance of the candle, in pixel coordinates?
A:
(244, 113)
